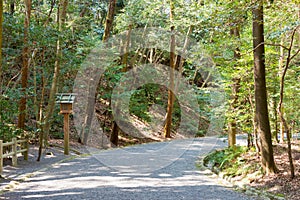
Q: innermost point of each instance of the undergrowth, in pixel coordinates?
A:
(231, 162)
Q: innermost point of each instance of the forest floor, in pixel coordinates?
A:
(281, 183)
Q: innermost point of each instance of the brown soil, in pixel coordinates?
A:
(280, 183)
(139, 131)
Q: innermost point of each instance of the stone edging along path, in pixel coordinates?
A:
(14, 176)
(88, 177)
(241, 185)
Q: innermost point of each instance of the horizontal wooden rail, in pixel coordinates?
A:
(24, 148)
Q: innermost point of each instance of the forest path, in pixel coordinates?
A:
(165, 170)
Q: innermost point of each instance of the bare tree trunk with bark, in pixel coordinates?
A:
(25, 68)
(171, 97)
(235, 32)
(63, 4)
(280, 67)
(109, 19)
(255, 126)
(261, 105)
(1, 39)
(114, 137)
(280, 104)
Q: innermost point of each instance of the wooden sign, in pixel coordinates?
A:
(66, 101)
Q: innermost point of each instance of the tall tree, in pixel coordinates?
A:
(167, 128)
(280, 63)
(109, 19)
(235, 33)
(63, 4)
(280, 103)
(25, 67)
(114, 137)
(261, 104)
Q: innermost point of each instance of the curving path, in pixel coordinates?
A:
(165, 171)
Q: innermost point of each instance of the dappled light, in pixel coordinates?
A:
(125, 180)
(149, 99)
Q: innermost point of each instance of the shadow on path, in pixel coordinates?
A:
(139, 172)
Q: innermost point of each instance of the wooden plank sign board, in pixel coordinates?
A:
(66, 101)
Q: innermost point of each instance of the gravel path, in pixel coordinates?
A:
(150, 171)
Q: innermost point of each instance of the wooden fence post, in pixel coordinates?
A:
(27, 148)
(14, 150)
(66, 134)
(1, 156)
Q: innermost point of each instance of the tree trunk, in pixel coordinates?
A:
(109, 19)
(63, 4)
(280, 104)
(232, 124)
(276, 119)
(171, 97)
(286, 126)
(25, 59)
(261, 105)
(125, 50)
(51, 102)
(182, 57)
(235, 32)
(114, 137)
(256, 135)
(254, 124)
(1, 39)
(232, 133)
(299, 29)
(280, 67)
(12, 7)
(89, 113)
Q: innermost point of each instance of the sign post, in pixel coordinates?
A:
(66, 101)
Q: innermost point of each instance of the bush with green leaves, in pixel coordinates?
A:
(8, 113)
(230, 161)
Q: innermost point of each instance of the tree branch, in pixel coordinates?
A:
(298, 51)
(277, 45)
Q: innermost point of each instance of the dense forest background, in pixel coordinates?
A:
(44, 43)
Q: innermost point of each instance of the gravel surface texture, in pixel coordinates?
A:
(165, 170)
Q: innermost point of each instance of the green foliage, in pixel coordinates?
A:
(109, 80)
(9, 131)
(225, 157)
(200, 133)
(230, 161)
(8, 114)
(82, 32)
(212, 23)
(143, 98)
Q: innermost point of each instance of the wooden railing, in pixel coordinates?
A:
(17, 146)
